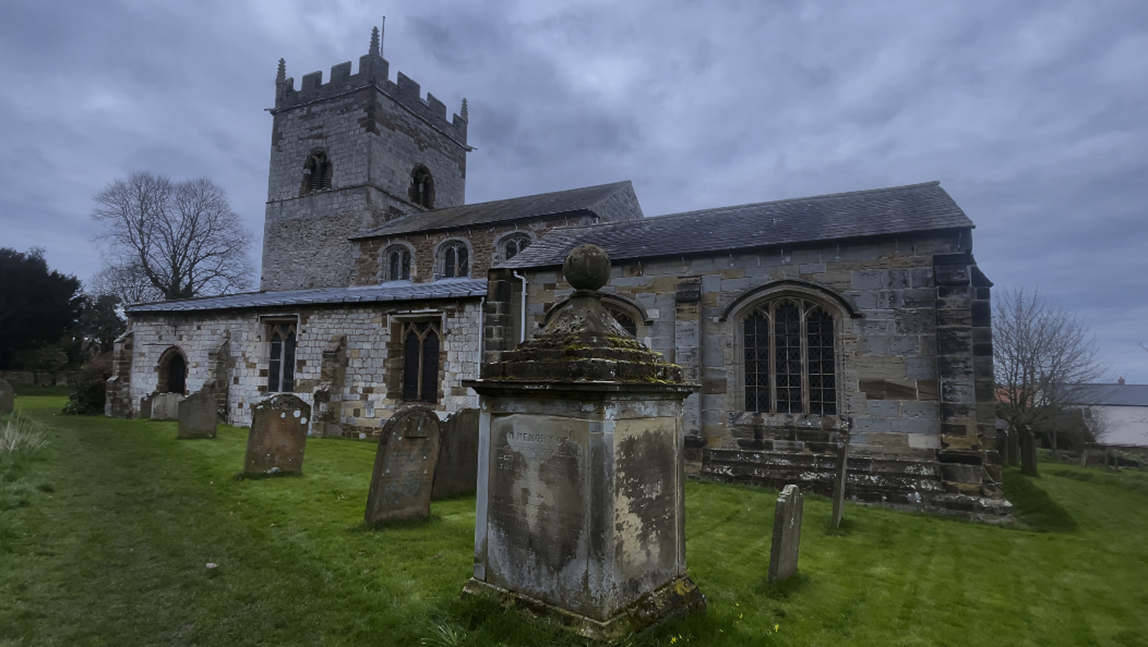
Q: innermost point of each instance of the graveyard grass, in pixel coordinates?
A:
(107, 531)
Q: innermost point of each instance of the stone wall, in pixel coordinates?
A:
(426, 266)
(899, 398)
(374, 133)
(356, 393)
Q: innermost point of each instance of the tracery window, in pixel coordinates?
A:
(316, 173)
(790, 365)
(513, 244)
(422, 187)
(456, 260)
(281, 368)
(397, 261)
(625, 320)
(420, 361)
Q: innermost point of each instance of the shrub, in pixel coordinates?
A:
(88, 390)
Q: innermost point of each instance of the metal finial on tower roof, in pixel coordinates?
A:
(464, 111)
(281, 76)
(374, 51)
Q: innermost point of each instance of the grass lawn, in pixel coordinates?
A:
(105, 534)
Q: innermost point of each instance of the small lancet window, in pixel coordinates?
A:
(422, 187)
(512, 245)
(398, 264)
(420, 361)
(456, 260)
(316, 173)
(281, 367)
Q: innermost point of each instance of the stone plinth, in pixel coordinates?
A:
(580, 510)
(404, 470)
(197, 416)
(278, 436)
(162, 406)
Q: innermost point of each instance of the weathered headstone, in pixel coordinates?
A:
(198, 416)
(581, 471)
(840, 479)
(403, 477)
(278, 435)
(457, 469)
(145, 406)
(165, 406)
(7, 398)
(786, 535)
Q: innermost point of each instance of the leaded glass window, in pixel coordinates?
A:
(420, 361)
(514, 244)
(281, 368)
(789, 362)
(456, 260)
(398, 261)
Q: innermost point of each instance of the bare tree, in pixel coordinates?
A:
(1042, 356)
(127, 282)
(181, 238)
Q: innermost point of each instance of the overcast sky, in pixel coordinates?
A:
(1032, 114)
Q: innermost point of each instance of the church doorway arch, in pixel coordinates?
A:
(172, 371)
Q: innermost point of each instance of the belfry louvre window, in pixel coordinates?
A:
(316, 173)
(790, 365)
(456, 260)
(281, 369)
(398, 264)
(420, 361)
(422, 187)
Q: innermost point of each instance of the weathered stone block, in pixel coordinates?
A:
(786, 544)
(278, 436)
(404, 472)
(197, 416)
(456, 471)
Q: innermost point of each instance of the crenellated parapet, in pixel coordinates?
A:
(373, 72)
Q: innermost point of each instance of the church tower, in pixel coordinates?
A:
(347, 156)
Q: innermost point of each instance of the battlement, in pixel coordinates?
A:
(373, 72)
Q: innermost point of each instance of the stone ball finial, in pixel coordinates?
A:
(587, 267)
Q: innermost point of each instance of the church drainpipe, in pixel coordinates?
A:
(522, 324)
(481, 330)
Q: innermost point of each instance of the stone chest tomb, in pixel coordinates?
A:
(580, 510)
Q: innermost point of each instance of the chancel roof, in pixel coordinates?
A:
(442, 289)
(572, 201)
(875, 212)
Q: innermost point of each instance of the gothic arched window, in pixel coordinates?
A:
(281, 367)
(397, 263)
(513, 244)
(316, 173)
(456, 260)
(420, 361)
(422, 187)
(625, 320)
(790, 364)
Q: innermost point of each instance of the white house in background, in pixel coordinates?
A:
(1123, 408)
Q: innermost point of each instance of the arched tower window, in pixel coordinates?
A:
(172, 371)
(455, 259)
(316, 173)
(397, 263)
(422, 187)
(790, 363)
(513, 244)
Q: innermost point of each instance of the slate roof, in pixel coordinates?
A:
(485, 213)
(1113, 395)
(901, 209)
(443, 289)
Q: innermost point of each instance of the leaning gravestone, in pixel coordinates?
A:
(786, 535)
(197, 416)
(165, 406)
(457, 469)
(840, 477)
(278, 436)
(404, 471)
(7, 398)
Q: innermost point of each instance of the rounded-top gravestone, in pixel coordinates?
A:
(403, 477)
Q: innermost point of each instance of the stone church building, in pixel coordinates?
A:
(804, 321)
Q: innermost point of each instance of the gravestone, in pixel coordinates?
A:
(840, 478)
(198, 416)
(165, 406)
(7, 398)
(457, 469)
(786, 535)
(580, 512)
(278, 435)
(404, 470)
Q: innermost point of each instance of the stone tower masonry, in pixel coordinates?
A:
(347, 156)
